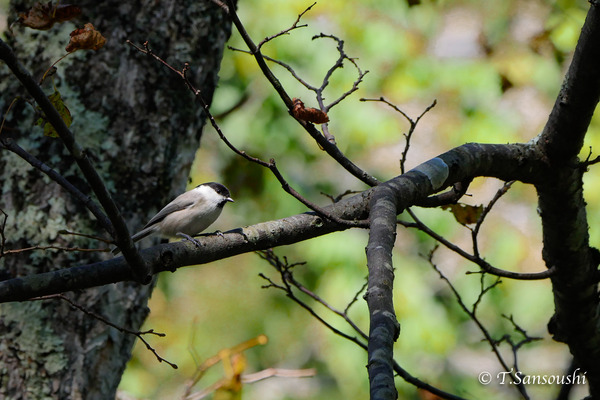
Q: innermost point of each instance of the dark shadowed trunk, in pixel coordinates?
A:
(141, 127)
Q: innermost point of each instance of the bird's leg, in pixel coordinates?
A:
(191, 239)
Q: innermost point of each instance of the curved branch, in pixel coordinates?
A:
(119, 227)
(9, 144)
(325, 144)
(484, 265)
(511, 161)
(171, 256)
(271, 165)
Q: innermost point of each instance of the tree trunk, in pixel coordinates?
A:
(141, 126)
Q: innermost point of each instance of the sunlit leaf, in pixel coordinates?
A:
(464, 213)
(57, 101)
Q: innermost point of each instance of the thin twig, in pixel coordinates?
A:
(138, 334)
(118, 226)
(411, 130)
(278, 372)
(339, 63)
(323, 141)
(282, 64)
(484, 265)
(583, 165)
(52, 247)
(271, 165)
(472, 313)
(318, 299)
(288, 30)
(516, 346)
(270, 257)
(224, 356)
(2, 236)
(85, 235)
(339, 196)
(485, 212)
(285, 271)
(9, 144)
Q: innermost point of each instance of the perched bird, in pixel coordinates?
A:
(189, 214)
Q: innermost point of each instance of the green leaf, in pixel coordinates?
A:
(57, 101)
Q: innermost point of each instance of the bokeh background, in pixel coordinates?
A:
(495, 69)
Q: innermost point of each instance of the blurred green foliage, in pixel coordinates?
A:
(495, 69)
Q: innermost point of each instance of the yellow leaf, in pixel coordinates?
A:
(464, 213)
(56, 100)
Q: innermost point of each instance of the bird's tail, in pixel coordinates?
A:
(138, 236)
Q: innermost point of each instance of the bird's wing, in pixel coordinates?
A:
(181, 202)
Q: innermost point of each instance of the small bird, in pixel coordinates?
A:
(189, 214)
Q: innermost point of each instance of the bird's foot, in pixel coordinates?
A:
(191, 239)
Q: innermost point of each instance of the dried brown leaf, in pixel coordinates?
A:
(43, 16)
(308, 114)
(86, 38)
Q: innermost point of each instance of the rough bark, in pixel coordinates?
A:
(563, 210)
(383, 327)
(140, 127)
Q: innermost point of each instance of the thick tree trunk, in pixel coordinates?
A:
(141, 127)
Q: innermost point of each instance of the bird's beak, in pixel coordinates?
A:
(230, 199)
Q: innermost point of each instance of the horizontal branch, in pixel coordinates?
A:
(171, 256)
(509, 162)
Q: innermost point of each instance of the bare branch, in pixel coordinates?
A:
(485, 212)
(287, 286)
(484, 265)
(271, 165)
(9, 144)
(51, 247)
(384, 329)
(2, 235)
(339, 63)
(138, 334)
(322, 140)
(288, 30)
(278, 372)
(288, 281)
(516, 346)
(340, 196)
(119, 227)
(472, 313)
(411, 130)
(468, 160)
